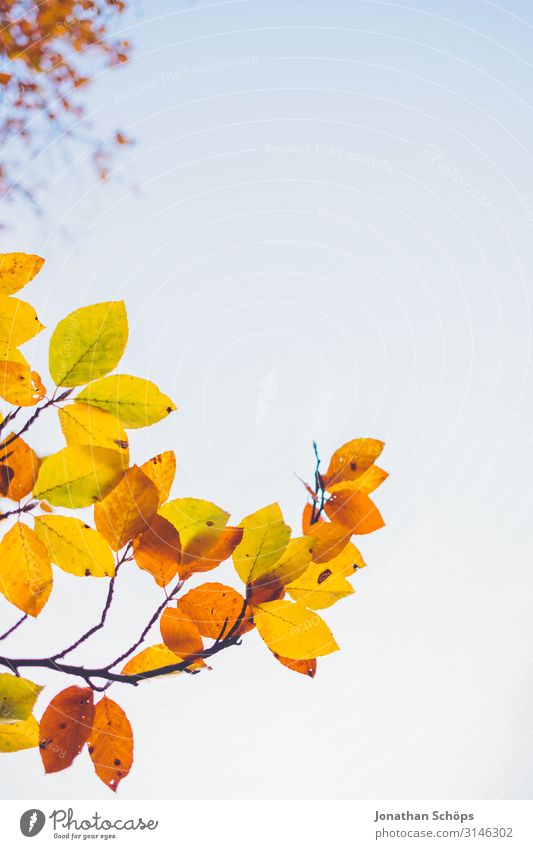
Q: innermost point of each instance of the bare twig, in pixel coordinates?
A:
(25, 508)
(103, 617)
(49, 403)
(13, 627)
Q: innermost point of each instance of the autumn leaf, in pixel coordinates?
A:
(128, 509)
(110, 743)
(155, 657)
(179, 633)
(88, 343)
(355, 510)
(65, 727)
(158, 550)
(351, 459)
(23, 734)
(319, 587)
(344, 564)
(18, 321)
(329, 540)
(292, 631)
(134, 401)
(78, 476)
(292, 563)
(75, 547)
(366, 483)
(17, 270)
(264, 541)
(199, 523)
(17, 697)
(25, 570)
(19, 385)
(213, 606)
(161, 470)
(85, 425)
(209, 557)
(19, 469)
(304, 667)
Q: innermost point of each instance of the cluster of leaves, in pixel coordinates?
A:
(44, 49)
(285, 578)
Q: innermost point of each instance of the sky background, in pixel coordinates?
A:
(323, 231)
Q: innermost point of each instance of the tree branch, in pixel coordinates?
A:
(51, 401)
(14, 664)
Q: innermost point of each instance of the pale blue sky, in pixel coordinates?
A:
(323, 231)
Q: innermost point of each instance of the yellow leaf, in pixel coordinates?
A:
(154, 657)
(319, 587)
(351, 459)
(19, 385)
(128, 510)
(78, 476)
(16, 270)
(134, 401)
(18, 321)
(88, 343)
(15, 736)
(161, 469)
(85, 425)
(199, 523)
(344, 564)
(292, 631)
(11, 354)
(366, 483)
(17, 697)
(292, 563)
(25, 570)
(75, 547)
(263, 543)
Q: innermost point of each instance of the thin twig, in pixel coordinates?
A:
(25, 508)
(103, 617)
(153, 619)
(49, 403)
(13, 627)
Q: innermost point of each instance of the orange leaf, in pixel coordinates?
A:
(204, 556)
(111, 743)
(367, 482)
(128, 509)
(25, 569)
(19, 385)
(329, 540)
(161, 470)
(351, 459)
(211, 606)
(355, 510)
(18, 475)
(179, 633)
(158, 550)
(305, 667)
(65, 727)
